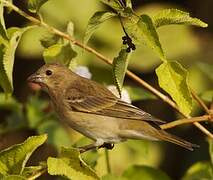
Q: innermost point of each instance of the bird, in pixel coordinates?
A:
(94, 111)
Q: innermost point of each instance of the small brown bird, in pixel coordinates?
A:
(95, 112)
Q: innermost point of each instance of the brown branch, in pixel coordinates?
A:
(199, 101)
(185, 121)
(106, 60)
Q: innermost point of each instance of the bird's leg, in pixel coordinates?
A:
(95, 145)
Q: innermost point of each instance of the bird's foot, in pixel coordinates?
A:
(107, 146)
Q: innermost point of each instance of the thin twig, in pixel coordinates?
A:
(185, 121)
(106, 60)
(200, 102)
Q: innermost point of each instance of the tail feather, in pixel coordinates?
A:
(176, 140)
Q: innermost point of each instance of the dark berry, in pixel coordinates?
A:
(133, 47)
(124, 38)
(128, 50)
(124, 42)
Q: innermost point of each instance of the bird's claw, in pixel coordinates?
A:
(107, 146)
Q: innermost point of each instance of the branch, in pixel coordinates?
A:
(199, 101)
(186, 121)
(106, 60)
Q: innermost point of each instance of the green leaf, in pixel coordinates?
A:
(173, 78)
(199, 171)
(3, 31)
(115, 4)
(95, 21)
(129, 3)
(14, 159)
(71, 166)
(59, 53)
(211, 149)
(142, 31)
(35, 5)
(137, 93)
(149, 34)
(119, 68)
(207, 96)
(49, 40)
(7, 56)
(175, 16)
(137, 172)
(3, 35)
(4, 81)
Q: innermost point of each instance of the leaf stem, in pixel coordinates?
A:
(106, 60)
(107, 161)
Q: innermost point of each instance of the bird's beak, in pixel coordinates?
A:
(35, 78)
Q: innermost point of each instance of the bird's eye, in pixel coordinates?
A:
(48, 72)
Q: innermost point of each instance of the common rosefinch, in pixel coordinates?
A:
(95, 112)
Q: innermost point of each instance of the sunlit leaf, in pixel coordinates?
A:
(35, 5)
(59, 53)
(95, 21)
(173, 78)
(4, 80)
(71, 166)
(115, 4)
(120, 64)
(129, 3)
(142, 31)
(137, 172)
(175, 16)
(14, 159)
(3, 31)
(199, 171)
(149, 34)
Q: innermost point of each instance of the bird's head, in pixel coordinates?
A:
(51, 75)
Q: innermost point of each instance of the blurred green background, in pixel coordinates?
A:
(29, 112)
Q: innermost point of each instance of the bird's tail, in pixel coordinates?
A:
(176, 140)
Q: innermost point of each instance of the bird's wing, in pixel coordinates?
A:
(105, 106)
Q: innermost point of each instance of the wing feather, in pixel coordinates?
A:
(105, 106)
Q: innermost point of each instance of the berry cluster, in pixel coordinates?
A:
(127, 40)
